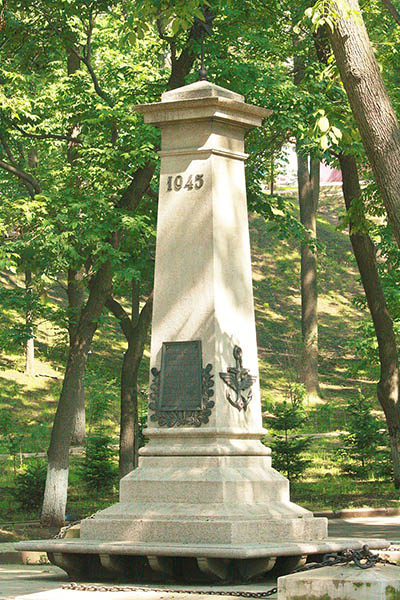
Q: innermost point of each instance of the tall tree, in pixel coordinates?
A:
(365, 254)
(308, 180)
(75, 288)
(308, 189)
(370, 103)
(135, 328)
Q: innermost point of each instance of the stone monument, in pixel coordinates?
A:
(205, 494)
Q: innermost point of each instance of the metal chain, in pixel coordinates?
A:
(61, 534)
(81, 587)
(363, 559)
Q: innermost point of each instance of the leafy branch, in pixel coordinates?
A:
(47, 136)
(85, 57)
(27, 179)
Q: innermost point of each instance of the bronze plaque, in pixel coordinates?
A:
(181, 376)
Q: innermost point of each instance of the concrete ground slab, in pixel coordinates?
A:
(60, 594)
(45, 583)
(26, 579)
(10, 556)
(373, 527)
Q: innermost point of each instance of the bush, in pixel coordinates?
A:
(142, 424)
(98, 469)
(362, 454)
(29, 485)
(288, 448)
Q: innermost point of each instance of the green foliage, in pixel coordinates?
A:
(16, 301)
(12, 432)
(142, 424)
(361, 454)
(367, 214)
(132, 44)
(30, 482)
(102, 391)
(287, 447)
(98, 469)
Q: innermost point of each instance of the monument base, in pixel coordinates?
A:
(211, 500)
(86, 560)
(197, 517)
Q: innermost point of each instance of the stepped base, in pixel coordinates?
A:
(197, 518)
(203, 524)
(209, 500)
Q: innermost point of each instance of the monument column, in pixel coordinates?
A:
(203, 286)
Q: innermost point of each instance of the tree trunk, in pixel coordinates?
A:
(33, 162)
(393, 10)
(135, 333)
(53, 511)
(76, 298)
(308, 185)
(55, 496)
(370, 104)
(272, 176)
(76, 294)
(30, 342)
(364, 251)
(129, 423)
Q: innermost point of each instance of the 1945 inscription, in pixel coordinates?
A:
(193, 182)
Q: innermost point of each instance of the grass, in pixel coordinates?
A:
(336, 492)
(31, 401)
(325, 487)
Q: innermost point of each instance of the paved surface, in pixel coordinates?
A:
(373, 527)
(44, 582)
(20, 579)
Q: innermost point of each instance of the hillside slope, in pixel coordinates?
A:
(27, 404)
(276, 272)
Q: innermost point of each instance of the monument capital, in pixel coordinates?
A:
(203, 100)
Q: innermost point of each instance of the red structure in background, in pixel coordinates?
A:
(329, 175)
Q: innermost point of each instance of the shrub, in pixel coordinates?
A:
(98, 468)
(29, 485)
(287, 447)
(142, 424)
(362, 454)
